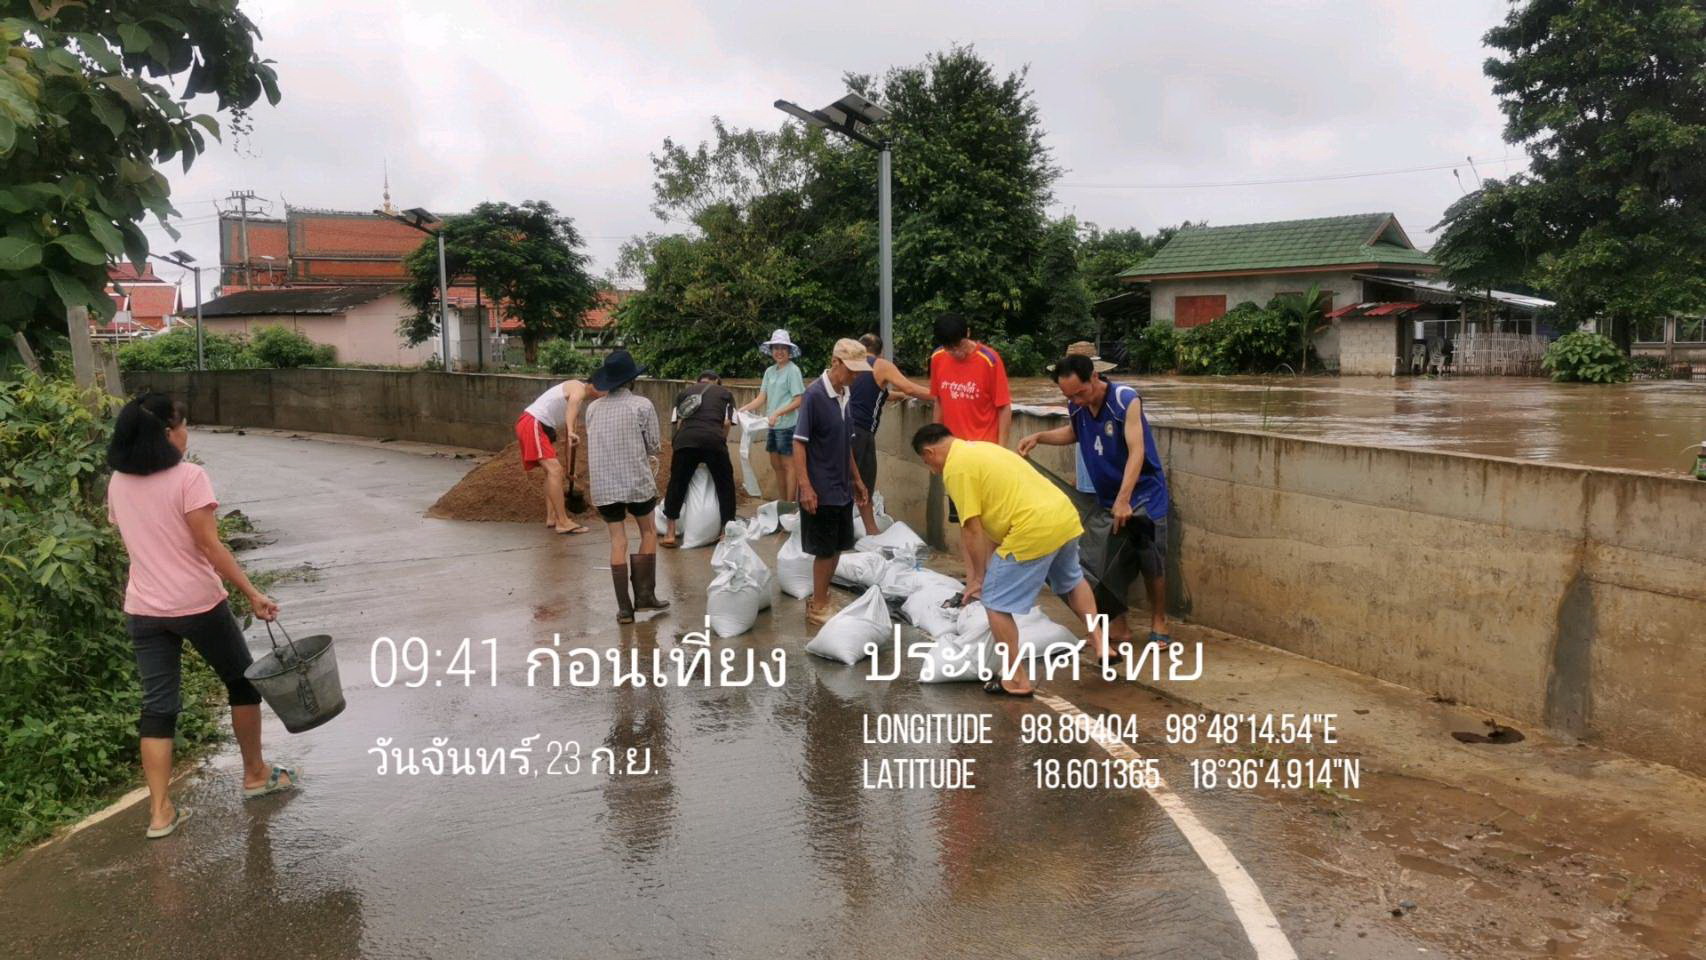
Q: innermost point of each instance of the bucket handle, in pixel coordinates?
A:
(287, 639)
(304, 689)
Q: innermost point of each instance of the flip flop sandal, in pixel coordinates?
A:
(994, 688)
(179, 815)
(574, 531)
(669, 544)
(273, 784)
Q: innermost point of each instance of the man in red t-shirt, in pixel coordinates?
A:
(969, 382)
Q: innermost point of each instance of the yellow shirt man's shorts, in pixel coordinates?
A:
(1034, 526)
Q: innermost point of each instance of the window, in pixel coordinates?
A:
(1691, 329)
(1650, 330)
(1194, 311)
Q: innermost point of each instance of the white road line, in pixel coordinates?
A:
(1261, 927)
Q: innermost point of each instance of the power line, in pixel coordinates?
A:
(1276, 180)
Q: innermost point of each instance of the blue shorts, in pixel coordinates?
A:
(1010, 586)
(780, 440)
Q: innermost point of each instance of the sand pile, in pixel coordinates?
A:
(500, 490)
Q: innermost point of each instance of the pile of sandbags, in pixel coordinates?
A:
(923, 607)
(741, 588)
(859, 628)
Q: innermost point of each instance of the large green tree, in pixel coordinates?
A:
(1609, 99)
(92, 96)
(526, 261)
(781, 227)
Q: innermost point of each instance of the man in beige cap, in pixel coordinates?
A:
(828, 477)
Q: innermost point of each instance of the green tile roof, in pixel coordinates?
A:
(1323, 242)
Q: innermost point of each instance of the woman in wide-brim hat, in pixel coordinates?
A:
(1084, 348)
(779, 394)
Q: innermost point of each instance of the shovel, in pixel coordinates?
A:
(574, 498)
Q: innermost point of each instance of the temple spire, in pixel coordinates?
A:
(387, 205)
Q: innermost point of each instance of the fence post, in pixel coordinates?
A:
(82, 351)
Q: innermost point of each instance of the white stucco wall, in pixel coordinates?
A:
(1342, 286)
(366, 333)
(1369, 346)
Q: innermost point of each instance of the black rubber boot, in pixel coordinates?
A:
(624, 606)
(645, 571)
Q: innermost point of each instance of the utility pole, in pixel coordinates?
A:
(243, 197)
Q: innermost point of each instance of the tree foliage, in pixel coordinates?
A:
(176, 350)
(525, 259)
(86, 111)
(1609, 99)
(68, 685)
(781, 228)
(1582, 357)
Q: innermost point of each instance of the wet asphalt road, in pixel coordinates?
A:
(753, 835)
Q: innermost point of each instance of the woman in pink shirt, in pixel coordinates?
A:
(164, 508)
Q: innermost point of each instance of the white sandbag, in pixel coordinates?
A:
(884, 521)
(790, 521)
(741, 588)
(897, 541)
(860, 570)
(1038, 634)
(862, 624)
(794, 566)
(751, 425)
(701, 515)
(766, 520)
(900, 581)
(956, 659)
(923, 609)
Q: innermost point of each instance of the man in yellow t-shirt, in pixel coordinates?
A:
(1029, 532)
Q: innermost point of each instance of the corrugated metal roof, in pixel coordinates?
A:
(323, 300)
(1364, 238)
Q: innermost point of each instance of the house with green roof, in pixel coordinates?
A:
(1359, 261)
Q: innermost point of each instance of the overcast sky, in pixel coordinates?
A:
(1158, 112)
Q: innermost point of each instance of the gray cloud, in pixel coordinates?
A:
(561, 102)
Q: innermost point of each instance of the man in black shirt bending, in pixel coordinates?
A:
(702, 416)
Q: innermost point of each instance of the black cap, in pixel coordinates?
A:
(711, 375)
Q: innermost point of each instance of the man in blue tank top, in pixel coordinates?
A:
(1121, 462)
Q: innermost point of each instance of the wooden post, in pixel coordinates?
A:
(25, 354)
(82, 351)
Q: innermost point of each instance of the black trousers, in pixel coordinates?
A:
(684, 462)
(159, 643)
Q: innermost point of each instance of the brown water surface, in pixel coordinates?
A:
(1634, 426)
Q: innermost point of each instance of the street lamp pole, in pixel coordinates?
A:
(443, 303)
(848, 117)
(186, 261)
(885, 253)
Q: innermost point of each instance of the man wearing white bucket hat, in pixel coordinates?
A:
(779, 395)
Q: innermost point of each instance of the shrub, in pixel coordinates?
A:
(564, 358)
(68, 688)
(1155, 349)
(1246, 339)
(1022, 357)
(1582, 357)
(175, 350)
(281, 347)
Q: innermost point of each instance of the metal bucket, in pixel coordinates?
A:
(299, 680)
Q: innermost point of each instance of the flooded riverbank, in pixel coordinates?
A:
(1634, 426)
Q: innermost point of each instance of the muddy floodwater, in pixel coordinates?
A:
(1633, 426)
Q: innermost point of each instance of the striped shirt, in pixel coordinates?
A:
(622, 436)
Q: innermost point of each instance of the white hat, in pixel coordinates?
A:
(779, 338)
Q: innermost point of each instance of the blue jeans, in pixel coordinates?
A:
(780, 440)
(1010, 586)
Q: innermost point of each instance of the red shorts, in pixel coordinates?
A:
(535, 440)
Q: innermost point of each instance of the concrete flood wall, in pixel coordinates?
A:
(1567, 597)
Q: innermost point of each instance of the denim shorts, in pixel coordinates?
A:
(1010, 586)
(780, 440)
